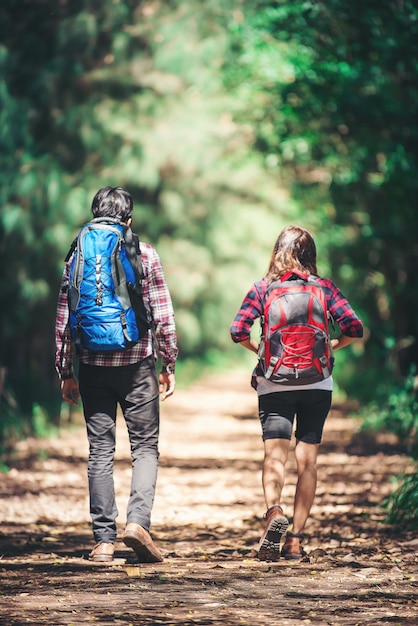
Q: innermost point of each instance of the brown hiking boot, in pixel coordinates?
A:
(140, 541)
(292, 549)
(276, 525)
(102, 552)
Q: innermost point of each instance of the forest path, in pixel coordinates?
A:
(207, 519)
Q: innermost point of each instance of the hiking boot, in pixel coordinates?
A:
(102, 552)
(140, 541)
(276, 525)
(292, 549)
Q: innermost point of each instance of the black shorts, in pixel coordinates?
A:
(277, 412)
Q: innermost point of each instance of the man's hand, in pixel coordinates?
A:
(70, 391)
(167, 384)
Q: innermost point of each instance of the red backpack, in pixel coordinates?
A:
(295, 347)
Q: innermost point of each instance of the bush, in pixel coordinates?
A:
(399, 415)
(402, 504)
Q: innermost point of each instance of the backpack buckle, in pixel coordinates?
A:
(270, 369)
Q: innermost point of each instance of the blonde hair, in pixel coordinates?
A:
(294, 250)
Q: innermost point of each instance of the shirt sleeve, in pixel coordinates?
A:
(63, 342)
(338, 305)
(162, 312)
(251, 309)
(342, 311)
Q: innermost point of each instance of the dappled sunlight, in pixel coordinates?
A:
(207, 521)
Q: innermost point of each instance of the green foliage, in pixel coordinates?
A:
(213, 363)
(11, 430)
(226, 121)
(16, 424)
(402, 504)
(122, 93)
(328, 91)
(397, 413)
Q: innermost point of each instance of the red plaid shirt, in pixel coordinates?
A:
(252, 308)
(156, 297)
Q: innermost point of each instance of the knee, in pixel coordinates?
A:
(146, 448)
(276, 452)
(102, 454)
(306, 466)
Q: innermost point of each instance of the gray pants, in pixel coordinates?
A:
(135, 389)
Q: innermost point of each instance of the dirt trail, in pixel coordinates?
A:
(207, 519)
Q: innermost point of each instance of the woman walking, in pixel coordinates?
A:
(289, 387)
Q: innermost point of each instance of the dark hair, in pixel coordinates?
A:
(114, 202)
(294, 249)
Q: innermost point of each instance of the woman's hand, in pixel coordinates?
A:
(342, 341)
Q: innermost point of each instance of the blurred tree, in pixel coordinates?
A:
(208, 114)
(130, 93)
(330, 91)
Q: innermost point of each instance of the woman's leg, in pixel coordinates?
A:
(312, 411)
(276, 416)
(306, 457)
(276, 412)
(275, 456)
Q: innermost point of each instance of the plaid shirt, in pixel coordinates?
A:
(158, 301)
(252, 308)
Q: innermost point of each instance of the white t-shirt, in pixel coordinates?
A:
(265, 386)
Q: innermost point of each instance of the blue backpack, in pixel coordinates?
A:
(106, 309)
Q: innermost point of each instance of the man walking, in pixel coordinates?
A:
(126, 376)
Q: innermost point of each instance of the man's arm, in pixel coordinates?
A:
(164, 325)
(64, 345)
(70, 391)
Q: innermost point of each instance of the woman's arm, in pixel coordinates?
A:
(250, 344)
(342, 341)
(250, 310)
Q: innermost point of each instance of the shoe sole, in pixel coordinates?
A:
(295, 556)
(144, 552)
(101, 559)
(270, 547)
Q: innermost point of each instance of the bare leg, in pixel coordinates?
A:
(306, 456)
(275, 456)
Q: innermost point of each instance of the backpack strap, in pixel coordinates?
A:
(294, 273)
(133, 250)
(71, 250)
